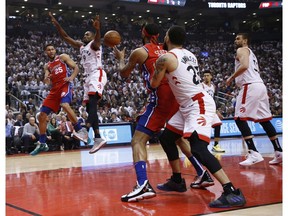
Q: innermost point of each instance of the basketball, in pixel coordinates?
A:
(112, 38)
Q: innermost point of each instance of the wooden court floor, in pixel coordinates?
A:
(76, 183)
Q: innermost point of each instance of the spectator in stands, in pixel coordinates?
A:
(66, 129)
(31, 106)
(30, 134)
(19, 120)
(53, 129)
(8, 136)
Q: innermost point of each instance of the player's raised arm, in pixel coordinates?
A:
(97, 39)
(63, 34)
(138, 56)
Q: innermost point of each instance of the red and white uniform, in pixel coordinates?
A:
(211, 91)
(96, 77)
(162, 103)
(252, 102)
(197, 108)
(60, 88)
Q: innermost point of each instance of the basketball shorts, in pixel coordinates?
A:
(94, 83)
(161, 107)
(195, 117)
(58, 96)
(252, 103)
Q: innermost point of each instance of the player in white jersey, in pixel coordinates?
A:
(96, 78)
(252, 102)
(196, 112)
(210, 89)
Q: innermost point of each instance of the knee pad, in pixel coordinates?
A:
(269, 128)
(243, 127)
(202, 154)
(168, 142)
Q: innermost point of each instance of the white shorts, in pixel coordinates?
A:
(216, 121)
(94, 83)
(252, 103)
(190, 119)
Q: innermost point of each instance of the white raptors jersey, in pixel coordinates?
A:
(209, 89)
(91, 60)
(185, 81)
(251, 75)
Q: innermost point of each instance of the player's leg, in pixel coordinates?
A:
(231, 196)
(80, 133)
(168, 142)
(143, 189)
(95, 83)
(246, 108)
(50, 104)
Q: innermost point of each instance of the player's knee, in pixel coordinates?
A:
(65, 105)
(42, 117)
(269, 128)
(168, 143)
(243, 127)
(202, 154)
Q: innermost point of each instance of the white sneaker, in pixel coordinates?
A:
(82, 134)
(98, 143)
(277, 158)
(252, 157)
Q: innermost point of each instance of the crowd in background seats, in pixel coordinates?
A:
(123, 99)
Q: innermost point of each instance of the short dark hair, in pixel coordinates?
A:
(207, 71)
(177, 35)
(151, 28)
(245, 36)
(46, 45)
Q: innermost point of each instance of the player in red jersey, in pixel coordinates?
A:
(154, 117)
(58, 74)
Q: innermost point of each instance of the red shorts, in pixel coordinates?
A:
(58, 96)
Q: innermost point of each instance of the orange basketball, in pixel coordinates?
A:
(112, 38)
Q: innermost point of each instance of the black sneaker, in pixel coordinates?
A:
(202, 181)
(145, 191)
(234, 199)
(171, 185)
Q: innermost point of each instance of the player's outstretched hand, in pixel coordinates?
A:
(119, 54)
(96, 22)
(53, 20)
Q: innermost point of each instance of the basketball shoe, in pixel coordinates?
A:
(39, 148)
(202, 181)
(171, 185)
(226, 200)
(217, 149)
(145, 191)
(277, 158)
(82, 135)
(252, 157)
(98, 143)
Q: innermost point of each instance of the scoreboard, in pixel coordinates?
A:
(180, 3)
(274, 4)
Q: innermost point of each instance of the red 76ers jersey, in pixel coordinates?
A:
(58, 71)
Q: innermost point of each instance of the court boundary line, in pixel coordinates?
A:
(23, 210)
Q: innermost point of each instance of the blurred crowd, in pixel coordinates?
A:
(123, 99)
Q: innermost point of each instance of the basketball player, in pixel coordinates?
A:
(58, 74)
(153, 119)
(196, 110)
(210, 88)
(252, 102)
(96, 78)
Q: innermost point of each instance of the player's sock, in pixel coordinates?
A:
(250, 144)
(276, 145)
(177, 177)
(140, 168)
(42, 138)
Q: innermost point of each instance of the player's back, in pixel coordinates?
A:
(185, 81)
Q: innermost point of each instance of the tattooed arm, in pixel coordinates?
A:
(164, 64)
